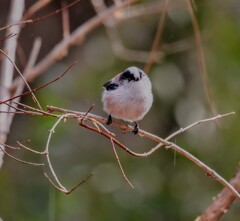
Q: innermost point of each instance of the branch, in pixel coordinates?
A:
(117, 45)
(200, 57)
(22, 77)
(21, 22)
(80, 33)
(157, 38)
(222, 202)
(6, 77)
(20, 87)
(37, 89)
(21, 161)
(169, 145)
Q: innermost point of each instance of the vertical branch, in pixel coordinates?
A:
(157, 39)
(65, 21)
(20, 86)
(6, 77)
(200, 57)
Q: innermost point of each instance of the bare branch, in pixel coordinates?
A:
(37, 6)
(201, 60)
(181, 130)
(37, 89)
(19, 72)
(21, 161)
(161, 141)
(64, 116)
(65, 21)
(31, 150)
(80, 183)
(77, 36)
(30, 64)
(221, 202)
(40, 18)
(117, 45)
(119, 163)
(115, 152)
(71, 190)
(6, 76)
(156, 39)
(10, 147)
(8, 36)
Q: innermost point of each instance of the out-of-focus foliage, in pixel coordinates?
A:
(167, 186)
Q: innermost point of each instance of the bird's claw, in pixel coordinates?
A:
(109, 121)
(136, 128)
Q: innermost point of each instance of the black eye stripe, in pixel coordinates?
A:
(127, 75)
(110, 86)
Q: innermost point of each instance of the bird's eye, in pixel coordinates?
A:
(109, 86)
(127, 75)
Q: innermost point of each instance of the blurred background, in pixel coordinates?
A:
(167, 185)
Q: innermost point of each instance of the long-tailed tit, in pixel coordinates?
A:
(128, 96)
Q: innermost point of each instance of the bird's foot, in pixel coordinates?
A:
(136, 128)
(109, 121)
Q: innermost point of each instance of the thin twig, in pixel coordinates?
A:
(35, 111)
(59, 186)
(75, 37)
(167, 144)
(26, 83)
(37, 6)
(32, 59)
(21, 161)
(65, 21)
(31, 150)
(54, 185)
(72, 189)
(29, 21)
(157, 39)
(115, 153)
(80, 183)
(10, 147)
(52, 130)
(117, 44)
(88, 111)
(201, 59)
(181, 130)
(140, 10)
(10, 35)
(38, 88)
(119, 163)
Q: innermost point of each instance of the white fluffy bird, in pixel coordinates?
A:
(128, 96)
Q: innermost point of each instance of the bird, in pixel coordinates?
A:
(128, 96)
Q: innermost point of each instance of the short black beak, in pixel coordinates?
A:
(105, 86)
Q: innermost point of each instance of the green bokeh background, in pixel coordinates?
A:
(167, 186)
